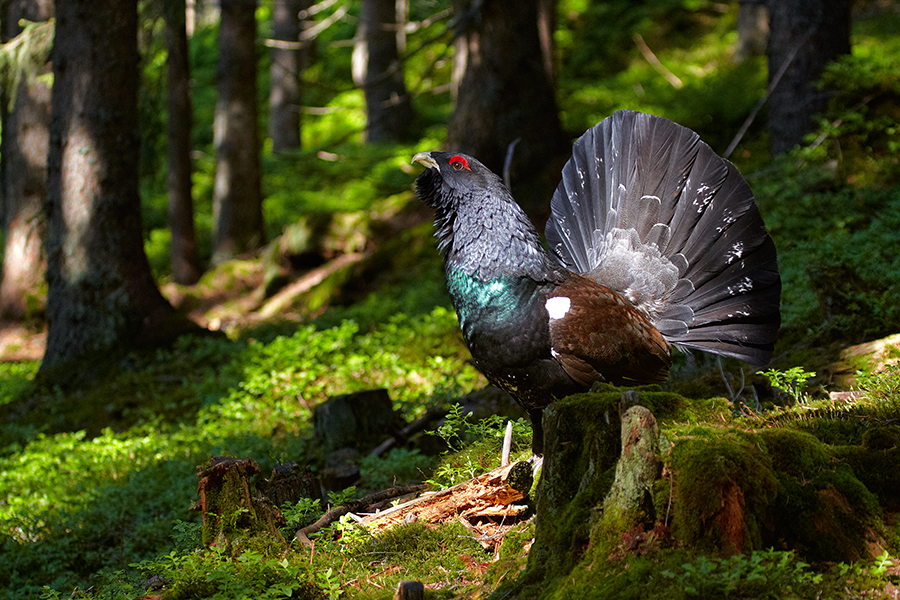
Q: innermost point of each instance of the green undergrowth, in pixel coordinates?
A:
(96, 483)
(78, 502)
(474, 448)
(681, 575)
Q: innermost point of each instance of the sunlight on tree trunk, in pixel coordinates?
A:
(377, 69)
(237, 197)
(23, 153)
(101, 294)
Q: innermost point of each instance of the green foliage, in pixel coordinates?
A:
(399, 467)
(791, 381)
(254, 574)
(15, 377)
(474, 447)
(75, 504)
(768, 574)
(301, 514)
(23, 58)
(882, 387)
(282, 380)
(833, 207)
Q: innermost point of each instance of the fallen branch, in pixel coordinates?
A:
(360, 505)
(496, 495)
(656, 64)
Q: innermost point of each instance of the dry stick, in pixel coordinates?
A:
(339, 511)
(654, 62)
(507, 163)
(772, 85)
(507, 444)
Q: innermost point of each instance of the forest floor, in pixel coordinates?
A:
(210, 306)
(20, 342)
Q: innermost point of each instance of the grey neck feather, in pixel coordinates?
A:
(490, 237)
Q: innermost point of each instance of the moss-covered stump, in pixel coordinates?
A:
(619, 491)
(581, 446)
(232, 514)
(738, 491)
(629, 502)
(583, 440)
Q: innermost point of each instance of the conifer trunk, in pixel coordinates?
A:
(237, 196)
(183, 249)
(101, 295)
(23, 177)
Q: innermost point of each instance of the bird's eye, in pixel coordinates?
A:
(459, 162)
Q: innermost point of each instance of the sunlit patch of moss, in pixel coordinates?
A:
(794, 453)
(445, 555)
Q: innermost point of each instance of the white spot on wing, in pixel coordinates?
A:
(557, 307)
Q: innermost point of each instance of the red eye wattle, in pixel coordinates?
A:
(459, 162)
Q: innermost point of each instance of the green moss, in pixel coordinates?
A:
(582, 444)
(881, 438)
(794, 453)
(511, 557)
(724, 483)
(876, 469)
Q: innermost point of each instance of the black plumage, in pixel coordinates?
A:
(654, 241)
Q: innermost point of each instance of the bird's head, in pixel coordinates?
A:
(480, 227)
(450, 179)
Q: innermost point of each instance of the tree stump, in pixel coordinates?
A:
(410, 590)
(630, 501)
(230, 511)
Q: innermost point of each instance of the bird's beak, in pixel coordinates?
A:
(424, 159)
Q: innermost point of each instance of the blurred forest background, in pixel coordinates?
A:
(209, 226)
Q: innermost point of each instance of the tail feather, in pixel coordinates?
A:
(698, 259)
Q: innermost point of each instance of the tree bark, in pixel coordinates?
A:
(506, 93)
(183, 248)
(237, 197)
(752, 29)
(23, 178)
(286, 76)
(101, 295)
(377, 68)
(805, 35)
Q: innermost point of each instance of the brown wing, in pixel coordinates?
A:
(597, 335)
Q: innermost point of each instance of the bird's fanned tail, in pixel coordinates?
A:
(646, 208)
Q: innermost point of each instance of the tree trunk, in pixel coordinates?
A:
(377, 68)
(506, 94)
(237, 197)
(23, 152)
(806, 35)
(101, 295)
(286, 70)
(752, 29)
(183, 249)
